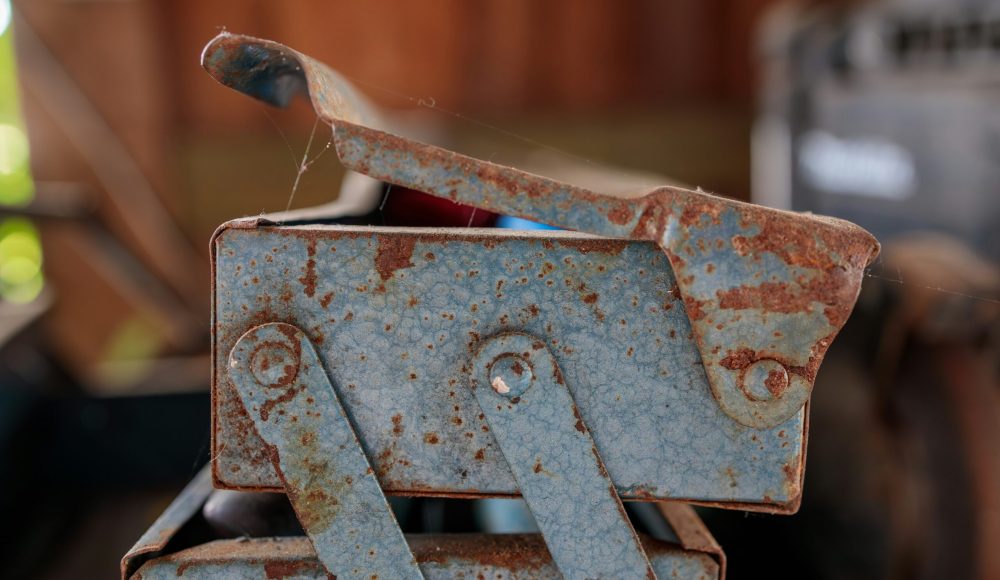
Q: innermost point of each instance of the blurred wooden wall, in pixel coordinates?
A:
(475, 56)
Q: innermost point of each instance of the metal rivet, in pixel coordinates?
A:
(765, 380)
(510, 375)
(274, 364)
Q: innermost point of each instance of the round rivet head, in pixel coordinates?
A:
(765, 380)
(274, 364)
(510, 375)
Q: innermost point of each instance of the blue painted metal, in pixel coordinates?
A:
(557, 466)
(513, 223)
(332, 487)
(396, 315)
(771, 279)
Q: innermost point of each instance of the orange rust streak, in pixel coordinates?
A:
(394, 253)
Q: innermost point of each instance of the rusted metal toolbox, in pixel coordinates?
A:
(665, 353)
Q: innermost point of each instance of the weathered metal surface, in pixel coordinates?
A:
(766, 290)
(395, 315)
(558, 468)
(441, 557)
(153, 542)
(691, 531)
(333, 489)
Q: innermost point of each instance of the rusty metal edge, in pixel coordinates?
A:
(791, 507)
(515, 551)
(692, 532)
(247, 223)
(156, 538)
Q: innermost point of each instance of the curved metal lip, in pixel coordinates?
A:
(758, 283)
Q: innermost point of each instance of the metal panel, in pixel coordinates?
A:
(396, 314)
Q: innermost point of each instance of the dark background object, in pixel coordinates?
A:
(885, 114)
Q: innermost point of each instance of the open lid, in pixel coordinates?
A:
(765, 290)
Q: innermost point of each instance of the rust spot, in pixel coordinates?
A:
(481, 454)
(393, 253)
(732, 477)
(776, 382)
(431, 438)
(308, 280)
(522, 552)
(457, 420)
(397, 424)
(742, 358)
(833, 289)
(620, 214)
(517, 368)
(739, 360)
(325, 300)
(538, 466)
(694, 308)
(268, 405)
(591, 298)
(279, 570)
(601, 246)
(790, 475)
(695, 209)
(579, 421)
